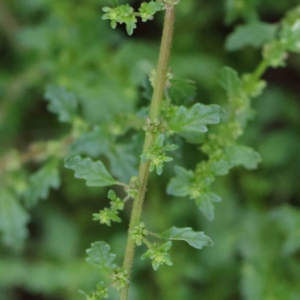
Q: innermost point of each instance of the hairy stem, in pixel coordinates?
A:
(159, 86)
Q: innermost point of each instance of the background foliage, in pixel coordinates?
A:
(256, 227)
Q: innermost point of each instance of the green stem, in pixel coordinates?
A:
(257, 74)
(154, 234)
(260, 70)
(159, 86)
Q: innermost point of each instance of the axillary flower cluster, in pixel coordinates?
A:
(126, 14)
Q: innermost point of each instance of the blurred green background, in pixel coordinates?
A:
(256, 230)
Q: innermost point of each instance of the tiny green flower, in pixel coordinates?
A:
(119, 278)
(195, 191)
(102, 290)
(106, 215)
(93, 296)
(148, 10)
(111, 195)
(116, 203)
(139, 233)
(152, 77)
(132, 188)
(156, 154)
(158, 254)
(121, 14)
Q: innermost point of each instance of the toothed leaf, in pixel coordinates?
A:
(93, 172)
(195, 118)
(195, 239)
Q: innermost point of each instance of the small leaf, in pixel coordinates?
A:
(230, 81)
(182, 90)
(236, 155)
(122, 160)
(195, 239)
(62, 103)
(93, 172)
(195, 119)
(91, 144)
(180, 185)
(100, 257)
(290, 36)
(253, 34)
(205, 204)
(242, 155)
(41, 182)
(111, 195)
(13, 220)
(148, 9)
(130, 26)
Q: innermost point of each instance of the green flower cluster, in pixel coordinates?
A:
(157, 154)
(126, 14)
(107, 215)
(148, 10)
(139, 233)
(121, 14)
(152, 77)
(119, 278)
(132, 187)
(100, 293)
(159, 255)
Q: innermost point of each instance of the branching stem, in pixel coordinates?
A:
(158, 92)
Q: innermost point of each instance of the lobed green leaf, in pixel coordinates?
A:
(121, 156)
(123, 161)
(180, 185)
(205, 204)
(253, 34)
(91, 144)
(230, 81)
(196, 239)
(100, 257)
(182, 90)
(93, 172)
(195, 118)
(62, 103)
(236, 155)
(41, 182)
(13, 220)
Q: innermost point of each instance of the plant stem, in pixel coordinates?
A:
(260, 70)
(159, 86)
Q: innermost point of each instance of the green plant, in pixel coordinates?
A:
(165, 119)
(167, 123)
